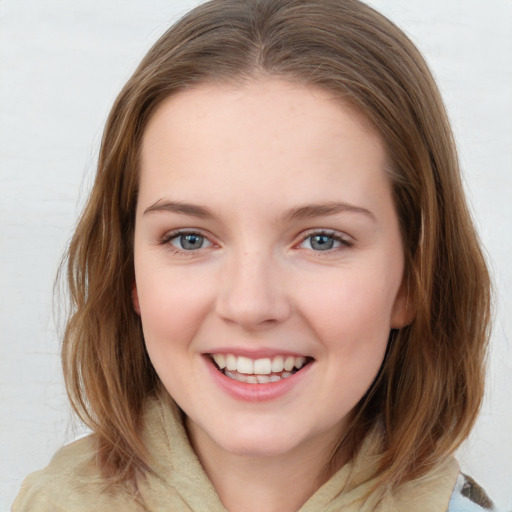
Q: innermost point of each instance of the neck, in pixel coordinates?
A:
(280, 483)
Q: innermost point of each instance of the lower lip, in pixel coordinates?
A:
(256, 392)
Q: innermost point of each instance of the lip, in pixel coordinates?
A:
(255, 392)
(255, 354)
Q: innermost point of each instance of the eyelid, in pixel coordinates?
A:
(343, 238)
(170, 235)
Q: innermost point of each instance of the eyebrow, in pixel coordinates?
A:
(323, 209)
(307, 211)
(179, 207)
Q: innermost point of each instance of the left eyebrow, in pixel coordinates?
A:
(322, 209)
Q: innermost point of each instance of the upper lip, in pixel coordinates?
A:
(256, 354)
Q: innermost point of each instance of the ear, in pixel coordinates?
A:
(404, 308)
(135, 299)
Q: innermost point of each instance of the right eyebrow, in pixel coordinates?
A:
(179, 207)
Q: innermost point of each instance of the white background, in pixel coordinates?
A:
(61, 66)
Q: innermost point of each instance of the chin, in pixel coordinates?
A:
(258, 437)
(261, 447)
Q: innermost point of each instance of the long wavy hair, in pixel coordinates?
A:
(429, 390)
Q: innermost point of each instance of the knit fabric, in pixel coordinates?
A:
(72, 481)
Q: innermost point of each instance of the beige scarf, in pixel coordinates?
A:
(71, 483)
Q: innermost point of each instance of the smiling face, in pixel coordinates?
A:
(268, 262)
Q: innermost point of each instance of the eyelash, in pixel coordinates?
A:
(335, 236)
(169, 237)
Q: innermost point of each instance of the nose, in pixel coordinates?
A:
(252, 292)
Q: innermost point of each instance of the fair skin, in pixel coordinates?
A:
(265, 235)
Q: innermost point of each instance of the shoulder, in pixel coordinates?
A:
(70, 481)
(468, 496)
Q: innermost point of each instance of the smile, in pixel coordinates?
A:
(259, 371)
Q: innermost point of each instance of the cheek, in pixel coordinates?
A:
(171, 305)
(172, 311)
(353, 309)
(351, 322)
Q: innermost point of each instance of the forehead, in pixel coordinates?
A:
(262, 134)
(259, 103)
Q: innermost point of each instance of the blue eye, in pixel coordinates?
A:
(189, 241)
(322, 242)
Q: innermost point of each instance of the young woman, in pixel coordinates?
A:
(279, 300)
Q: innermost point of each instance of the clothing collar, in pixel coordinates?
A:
(178, 471)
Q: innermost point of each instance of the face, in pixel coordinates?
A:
(268, 262)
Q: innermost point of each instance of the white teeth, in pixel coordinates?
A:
(261, 371)
(262, 366)
(231, 362)
(234, 376)
(244, 365)
(289, 362)
(277, 364)
(220, 360)
(299, 362)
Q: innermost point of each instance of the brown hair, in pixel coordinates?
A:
(430, 386)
